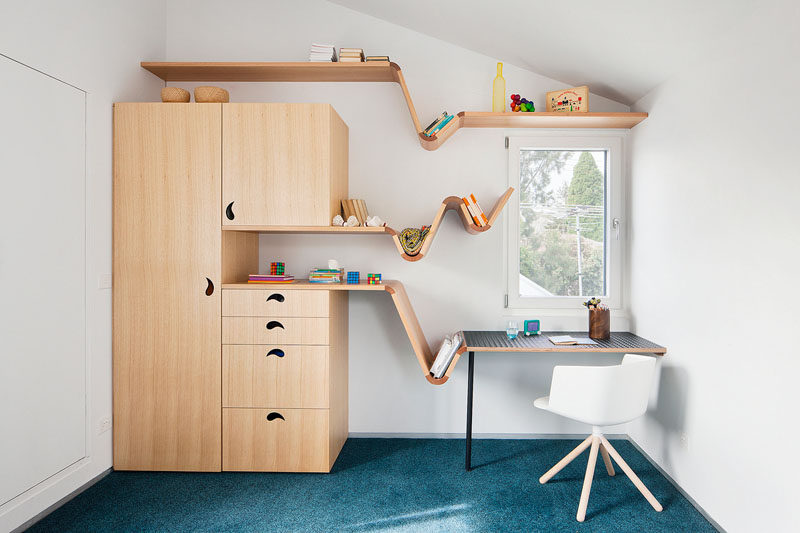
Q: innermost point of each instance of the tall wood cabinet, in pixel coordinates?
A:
(180, 170)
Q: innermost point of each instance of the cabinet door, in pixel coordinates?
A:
(166, 297)
(276, 164)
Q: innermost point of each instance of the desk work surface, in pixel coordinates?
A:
(497, 341)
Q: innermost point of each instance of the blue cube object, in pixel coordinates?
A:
(353, 277)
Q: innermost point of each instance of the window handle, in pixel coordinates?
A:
(615, 223)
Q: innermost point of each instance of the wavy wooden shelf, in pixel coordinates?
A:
(380, 72)
(454, 203)
(422, 350)
(451, 203)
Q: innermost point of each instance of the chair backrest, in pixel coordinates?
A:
(603, 395)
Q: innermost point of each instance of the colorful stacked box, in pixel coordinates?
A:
(277, 269)
(373, 279)
(353, 277)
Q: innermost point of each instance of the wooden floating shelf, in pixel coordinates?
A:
(474, 119)
(454, 203)
(422, 350)
(451, 203)
(358, 230)
(380, 72)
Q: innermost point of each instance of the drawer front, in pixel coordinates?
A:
(274, 301)
(274, 330)
(275, 376)
(275, 440)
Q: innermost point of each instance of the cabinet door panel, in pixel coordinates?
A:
(276, 164)
(167, 238)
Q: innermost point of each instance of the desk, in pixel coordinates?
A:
(497, 341)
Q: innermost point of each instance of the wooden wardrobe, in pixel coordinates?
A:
(182, 174)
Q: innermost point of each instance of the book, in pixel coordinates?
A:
(447, 352)
(568, 340)
(267, 278)
(439, 125)
(378, 58)
(359, 51)
(325, 53)
(481, 214)
(435, 122)
(350, 60)
(470, 210)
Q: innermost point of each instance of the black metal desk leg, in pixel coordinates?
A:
(469, 410)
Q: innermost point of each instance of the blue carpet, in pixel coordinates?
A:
(389, 485)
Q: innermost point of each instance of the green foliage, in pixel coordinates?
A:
(535, 167)
(550, 260)
(586, 188)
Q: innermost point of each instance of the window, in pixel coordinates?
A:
(563, 229)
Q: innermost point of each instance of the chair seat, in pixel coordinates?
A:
(542, 403)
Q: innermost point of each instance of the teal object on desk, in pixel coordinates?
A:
(531, 327)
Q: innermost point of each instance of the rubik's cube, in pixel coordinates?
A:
(353, 277)
(277, 269)
(373, 279)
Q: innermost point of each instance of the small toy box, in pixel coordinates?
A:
(277, 269)
(353, 277)
(373, 279)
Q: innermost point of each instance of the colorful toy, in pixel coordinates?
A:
(277, 269)
(531, 327)
(521, 104)
(373, 279)
(353, 277)
(575, 99)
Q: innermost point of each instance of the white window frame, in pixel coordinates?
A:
(600, 140)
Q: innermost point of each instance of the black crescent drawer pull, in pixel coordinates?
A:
(272, 324)
(277, 297)
(275, 351)
(210, 287)
(229, 211)
(273, 416)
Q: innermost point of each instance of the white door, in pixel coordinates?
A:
(42, 277)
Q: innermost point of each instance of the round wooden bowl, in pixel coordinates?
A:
(174, 94)
(211, 94)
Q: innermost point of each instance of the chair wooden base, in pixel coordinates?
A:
(601, 444)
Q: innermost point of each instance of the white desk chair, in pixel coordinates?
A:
(600, 396)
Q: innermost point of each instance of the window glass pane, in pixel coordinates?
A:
(562, 241)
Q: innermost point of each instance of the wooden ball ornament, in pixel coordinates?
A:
(211, 95)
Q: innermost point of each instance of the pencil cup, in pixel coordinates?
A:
(600, 324)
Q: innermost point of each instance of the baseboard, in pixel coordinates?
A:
(573, 436)
(22, 527)
(675, 484)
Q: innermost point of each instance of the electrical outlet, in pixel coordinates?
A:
(104, 425)
(104, 281)
(684, 440)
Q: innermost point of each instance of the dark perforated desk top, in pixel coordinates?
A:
(497, 341)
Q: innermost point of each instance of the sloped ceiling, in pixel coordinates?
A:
(622, 49)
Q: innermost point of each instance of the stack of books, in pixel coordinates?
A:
(381, 59)
(267, 278)
(326, 275)
(324, 53)
(351, 55)
(446, 353)
(439, 125)
(475, 211)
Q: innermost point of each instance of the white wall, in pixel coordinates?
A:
(95, 46)
(460, 285)
(714, 195)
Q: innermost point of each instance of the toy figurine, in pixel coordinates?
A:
(521, 104)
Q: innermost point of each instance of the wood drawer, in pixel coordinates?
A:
(275, 376)
(275, 330)
(275, 440)
(274, 301)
